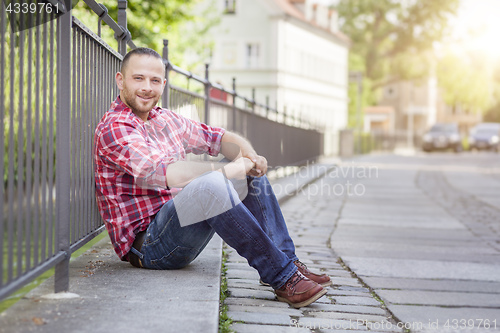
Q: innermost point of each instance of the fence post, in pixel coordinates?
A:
(63, 139)
(253, 100)
(122, 21)
(267, 106)
(207, 95)
(234, 104)
(166, 91)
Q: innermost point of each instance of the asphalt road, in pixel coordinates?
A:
(423, 231)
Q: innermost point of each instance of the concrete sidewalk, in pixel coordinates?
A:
(114, 296)
(425, 236)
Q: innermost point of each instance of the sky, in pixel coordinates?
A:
(478, 25)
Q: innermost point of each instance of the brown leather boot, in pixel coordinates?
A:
(322, 279)
(299, 291)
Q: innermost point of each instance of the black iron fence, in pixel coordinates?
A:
(365, 143)
(56, 82)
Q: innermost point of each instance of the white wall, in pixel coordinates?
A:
(298, 67)
(313, 75)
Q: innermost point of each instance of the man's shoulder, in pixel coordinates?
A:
(117, 118)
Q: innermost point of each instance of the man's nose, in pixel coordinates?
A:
(146, 85)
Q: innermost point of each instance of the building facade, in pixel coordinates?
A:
(418, 105)
(289, 51)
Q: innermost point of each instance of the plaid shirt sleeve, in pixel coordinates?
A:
(199, 138)
(128, 149)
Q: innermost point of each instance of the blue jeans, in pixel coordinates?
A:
(254, 227)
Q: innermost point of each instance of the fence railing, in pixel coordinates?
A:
(56, 82)
(365, 143)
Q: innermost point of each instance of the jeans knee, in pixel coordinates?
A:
(214, 185)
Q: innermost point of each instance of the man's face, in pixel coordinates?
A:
(141, 84)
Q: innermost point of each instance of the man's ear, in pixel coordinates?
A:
(119, 80)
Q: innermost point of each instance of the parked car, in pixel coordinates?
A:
(441, 137)
(485, 136)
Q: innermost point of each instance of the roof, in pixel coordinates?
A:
(379, 109)
(292, 8)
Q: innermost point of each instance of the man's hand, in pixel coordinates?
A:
(235, 147)
(260, 168)
(239, 168)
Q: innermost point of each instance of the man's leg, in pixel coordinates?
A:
(262, 203)
(168, 245)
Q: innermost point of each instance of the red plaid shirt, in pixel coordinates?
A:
(131, 158)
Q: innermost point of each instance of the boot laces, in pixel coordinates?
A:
(301, 264)
(296, 278)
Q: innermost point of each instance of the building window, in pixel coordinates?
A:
(252, 55)
(229, 6)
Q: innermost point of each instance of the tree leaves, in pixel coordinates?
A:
(388, 33)
(184, 23)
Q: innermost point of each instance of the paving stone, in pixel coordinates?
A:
(346, 282)
(253, 328)
(350, 316)
(324, 324)
(353, 300)
(242, 274)
(442, 298)
(426, 269)
(265, 309)
(325, 300)
(430, 316)
(342, 331)
(337, 292)
(250, 293)
(260, 318)
(337, 273)
(238, 280)
(346, 308)
(233, 283)
(440, 285)
(255, 302)
(351, 288)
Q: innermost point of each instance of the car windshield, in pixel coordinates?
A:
(443, 128)
(487, 131)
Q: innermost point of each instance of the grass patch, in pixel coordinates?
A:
(224, 320)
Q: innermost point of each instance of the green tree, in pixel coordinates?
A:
(368, 96)
(184, 23)
(393, 36)
(493, 113)
(465, 82)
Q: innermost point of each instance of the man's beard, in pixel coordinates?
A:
(131, 100)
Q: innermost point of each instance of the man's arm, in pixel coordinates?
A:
(181, 173)
(234, 146)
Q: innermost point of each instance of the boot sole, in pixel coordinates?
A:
(326, 284)
(306, 302)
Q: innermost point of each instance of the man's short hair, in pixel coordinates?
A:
(139, 51)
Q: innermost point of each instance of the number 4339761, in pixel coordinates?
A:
(470, 323)
(31, 8)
